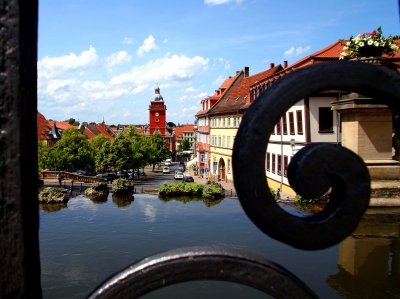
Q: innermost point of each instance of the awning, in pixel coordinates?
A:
(191, 162)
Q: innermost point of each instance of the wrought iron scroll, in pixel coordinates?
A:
(311, 172)
(203, 263)
(314, 168)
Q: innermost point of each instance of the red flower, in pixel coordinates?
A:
(373, 33)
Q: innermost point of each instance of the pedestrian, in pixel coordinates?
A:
(60, 178)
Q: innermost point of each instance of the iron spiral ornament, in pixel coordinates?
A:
(316, 167)
(313, 170)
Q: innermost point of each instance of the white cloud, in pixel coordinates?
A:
(191, 109)
(167, 69)
(128, 40)
(217, 2)
(191, 89)
(117, 58)
(186, 98)
(227, 64)
(264, 60)
(148, 44)
(218, 81)
(296, 51)
(166, 40)
(53, 67)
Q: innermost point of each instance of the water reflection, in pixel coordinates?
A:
(369, 260)
(49, 208)
(122, 201)
(185, 199)
(98, 199)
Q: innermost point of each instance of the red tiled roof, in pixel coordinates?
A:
(103, 130)
(237, 97)
(226, 85)
(89, 134)
(42, 127)
(188, 127)
(62, 125)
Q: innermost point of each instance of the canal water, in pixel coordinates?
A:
(84, 242)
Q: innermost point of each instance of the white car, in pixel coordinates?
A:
(167, 162)
(178, 175)
(165, 169)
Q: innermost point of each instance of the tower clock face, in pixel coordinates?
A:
(157, 114)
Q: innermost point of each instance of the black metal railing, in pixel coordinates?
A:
(310, 173)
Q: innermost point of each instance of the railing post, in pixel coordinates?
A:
(19, 217)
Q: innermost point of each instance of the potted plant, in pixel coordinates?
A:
(367, 45)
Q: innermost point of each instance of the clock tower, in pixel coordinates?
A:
(157, 113)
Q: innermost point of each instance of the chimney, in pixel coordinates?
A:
(237, 72)
(272, 65)
(246, 71)
(285, 64)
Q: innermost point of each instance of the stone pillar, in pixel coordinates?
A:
(367, 131)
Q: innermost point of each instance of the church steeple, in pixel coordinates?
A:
(157, 96)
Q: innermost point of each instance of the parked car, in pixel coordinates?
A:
(167, 162)
(165, 169)
(123, 175)
(106, 176)
(187, 178)
(181, 168)
(81, 172)
(178, 175)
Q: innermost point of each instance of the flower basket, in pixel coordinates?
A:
(371, 46)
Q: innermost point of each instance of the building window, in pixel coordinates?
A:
(229, 165)
(229, 122)
(299, 119)
(284, 124)
(268, 161)
(291, 123)
(157, 120)
(279, 164)
(219, 140)
(285, 165)
(234, 121)
(273, 163)
(278, 128)
(219, 122)
(228, 139)
(223, 141)
(223, 122)
(325, 119)
(238, 121)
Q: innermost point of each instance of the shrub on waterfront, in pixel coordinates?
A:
(122, 187)
(322, 198)
(98, 189)
(182, 189)
(194, 189)
(212, 191)
(273, 193)
(50, 195)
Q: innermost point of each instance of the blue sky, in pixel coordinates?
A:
(102, 58)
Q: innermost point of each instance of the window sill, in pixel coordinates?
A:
(326, 132)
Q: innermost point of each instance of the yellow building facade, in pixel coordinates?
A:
(223, 129)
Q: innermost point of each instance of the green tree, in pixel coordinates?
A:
(121, 153)
(45, 156)
(97, 142)
(141, 147)
(158, 149)
(184, 145)
(102, 157)
(71, 121)
(73, 150)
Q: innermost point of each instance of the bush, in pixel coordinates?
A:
(212, 191)
(122, 187)
(273, 193)
(51, 195)
(98, 189)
